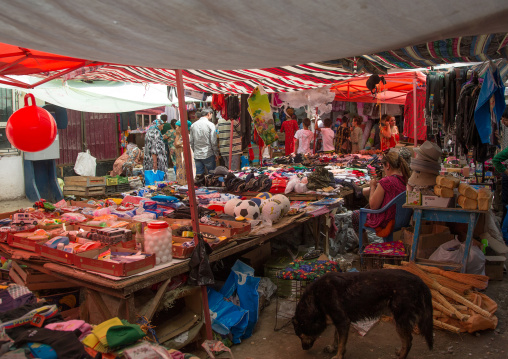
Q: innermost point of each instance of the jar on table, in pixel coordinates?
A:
(158, 241)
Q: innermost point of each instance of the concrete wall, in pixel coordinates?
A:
(12, 182)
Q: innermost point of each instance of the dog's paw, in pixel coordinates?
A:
(330, 349)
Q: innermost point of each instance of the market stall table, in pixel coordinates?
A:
(454, 215)
(120, 294)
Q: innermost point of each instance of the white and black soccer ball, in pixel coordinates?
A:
(286, 204)
(229, 208)
(247, 209)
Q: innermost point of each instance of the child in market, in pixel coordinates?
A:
(304, 138)
(328, 136)
(267, 154)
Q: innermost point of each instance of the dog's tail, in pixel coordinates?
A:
(426, 320)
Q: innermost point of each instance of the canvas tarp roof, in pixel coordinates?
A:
(394, 91)
(224, 34)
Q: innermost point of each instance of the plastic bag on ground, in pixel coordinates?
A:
(85, 164)
(453, 251)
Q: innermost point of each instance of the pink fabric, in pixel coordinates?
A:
(393, 186)
(70, 326)
(409, 117)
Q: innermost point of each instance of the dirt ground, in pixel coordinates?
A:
(381, 341)
(8, 206)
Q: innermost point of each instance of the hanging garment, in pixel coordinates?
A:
(409, 116)
(245, 121)
(289, 128)
(491, 104)
(233, 107)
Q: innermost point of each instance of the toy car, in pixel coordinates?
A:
(21, 219)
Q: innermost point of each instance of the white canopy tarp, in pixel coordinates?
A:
(100, 96)
(225, 34)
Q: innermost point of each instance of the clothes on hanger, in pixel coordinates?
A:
(410, 116)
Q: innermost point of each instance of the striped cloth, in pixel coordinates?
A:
(459, 49)
(275, 79)
(224, 132)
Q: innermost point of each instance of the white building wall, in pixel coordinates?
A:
(12, 181)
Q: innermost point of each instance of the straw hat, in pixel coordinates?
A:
(422, 179)
(429, 151)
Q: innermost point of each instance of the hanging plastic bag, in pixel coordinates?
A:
(152, 176)
(85, 164)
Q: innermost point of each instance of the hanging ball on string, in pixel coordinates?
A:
(31, 128)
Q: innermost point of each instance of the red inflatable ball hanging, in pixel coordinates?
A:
(31, 128)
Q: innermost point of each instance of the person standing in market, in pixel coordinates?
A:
(385, 132)
(224, 133)
(168, 135)
(394, 139)
(342, 137)
(181, 177)
(498, 162)
(327, 135)
(304, 138)
(156, 158)
(289, 127)
(203, 141)
(356, 135)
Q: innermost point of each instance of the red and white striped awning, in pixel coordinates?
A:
(275, 79)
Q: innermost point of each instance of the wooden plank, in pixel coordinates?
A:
(99, 302)
(19, 270)
(156, 300)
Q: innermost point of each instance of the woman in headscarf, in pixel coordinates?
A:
(181, 177)
(131, 157)
(169, 138)
(155, 151)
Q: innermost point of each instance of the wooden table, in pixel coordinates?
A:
(106, 298)
(455, 215)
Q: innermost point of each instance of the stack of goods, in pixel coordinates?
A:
(445, 185)
(474, 198)
(35, 328)
(425, 167)
(307, 270)
(458, 306)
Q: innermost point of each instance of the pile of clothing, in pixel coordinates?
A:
(31, 328)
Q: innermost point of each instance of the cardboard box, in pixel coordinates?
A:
(18, 241)
(439, 202)
(54, 254)
(431, 237)
(258, 257)
(414, 198)
(494, 266)
(86, 261)
(237, 229)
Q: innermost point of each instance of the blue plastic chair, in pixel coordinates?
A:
(402, 217)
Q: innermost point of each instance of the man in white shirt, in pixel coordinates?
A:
(203, 141)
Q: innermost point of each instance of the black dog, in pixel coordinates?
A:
(350, 297)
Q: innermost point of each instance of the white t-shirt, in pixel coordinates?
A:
(328, 136)
(304, 138)
(266, 152)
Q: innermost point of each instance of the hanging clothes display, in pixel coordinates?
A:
(490, 106)
(245, 121)
(434, 102)
(410, 116)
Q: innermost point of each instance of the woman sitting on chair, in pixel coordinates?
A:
(381, 193)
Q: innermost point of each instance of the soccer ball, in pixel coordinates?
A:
(264, 195)
(271, 210)
(229, 208)
(286, 205)
(247, 209)
(257, 201)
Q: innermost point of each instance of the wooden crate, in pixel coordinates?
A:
(84, 191)
(84, 181)
(35, 280)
